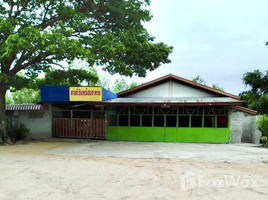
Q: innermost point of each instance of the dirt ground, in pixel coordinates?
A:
(39, 170)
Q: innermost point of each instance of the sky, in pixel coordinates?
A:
(220, 40)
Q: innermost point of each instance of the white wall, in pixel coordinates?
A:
(180, 90)
(156, 91)
(172, 89)
(41, 128)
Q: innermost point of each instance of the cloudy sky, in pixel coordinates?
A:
(219, 40)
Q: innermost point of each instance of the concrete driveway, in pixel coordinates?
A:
(130, 170)
(193, 151)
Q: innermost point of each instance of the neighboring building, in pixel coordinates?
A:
(168, 109)
(243, 128)
(36, 117)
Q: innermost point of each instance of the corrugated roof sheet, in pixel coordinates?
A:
(176, 100)
(246, 110)
(27, 107)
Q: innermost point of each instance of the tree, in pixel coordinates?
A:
(25, 96)
(121, 85)
(201, 80)
(36, 35)
(256, 97)
(217, 87)
(76, 74)
(103, 81)
(8, 99)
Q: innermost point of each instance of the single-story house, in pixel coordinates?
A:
(168, 109)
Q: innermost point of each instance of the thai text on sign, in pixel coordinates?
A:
(85, 94)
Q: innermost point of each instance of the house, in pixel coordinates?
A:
(174, 109)
(168, 109)
(36, 117)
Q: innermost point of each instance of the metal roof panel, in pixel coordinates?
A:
(27, 107)
(175, 100)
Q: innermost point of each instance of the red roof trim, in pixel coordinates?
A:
(178, 79)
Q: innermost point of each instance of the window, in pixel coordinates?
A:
(184, 121)
(158, 121)
(222, 121)
(113, 120)
(35, 115)
(134, 120)
(196, 121)
(123, 120)
(209, 121)
(147, 120)
(171, 121)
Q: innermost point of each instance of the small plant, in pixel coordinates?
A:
(17, 132)
(265, 141)
(262, 125)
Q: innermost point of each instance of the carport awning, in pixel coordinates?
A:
(183, 101)
(27, 107)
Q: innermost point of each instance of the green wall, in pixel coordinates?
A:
(208, 131)
(166, 134)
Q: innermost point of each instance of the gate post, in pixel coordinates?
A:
(72, 129)
(91, 122)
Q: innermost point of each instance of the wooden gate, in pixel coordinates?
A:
(79, 128)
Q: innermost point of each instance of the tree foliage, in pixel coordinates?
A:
(25, 96)
(36, 35)
(77, 74)
(121, 85)
(201, 80)
(256, 97)
(217, 87)
(9, 99)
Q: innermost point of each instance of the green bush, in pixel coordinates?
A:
(17, 132)
(265, 141)
(262, 124)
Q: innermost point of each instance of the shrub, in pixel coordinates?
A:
(17, 132)
(262, 125)
(265, 141)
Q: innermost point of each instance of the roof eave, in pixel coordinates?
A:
(177, 78)
(172, 104)
(246, 110)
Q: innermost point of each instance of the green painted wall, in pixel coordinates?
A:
(161, 134)
(165, 133)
